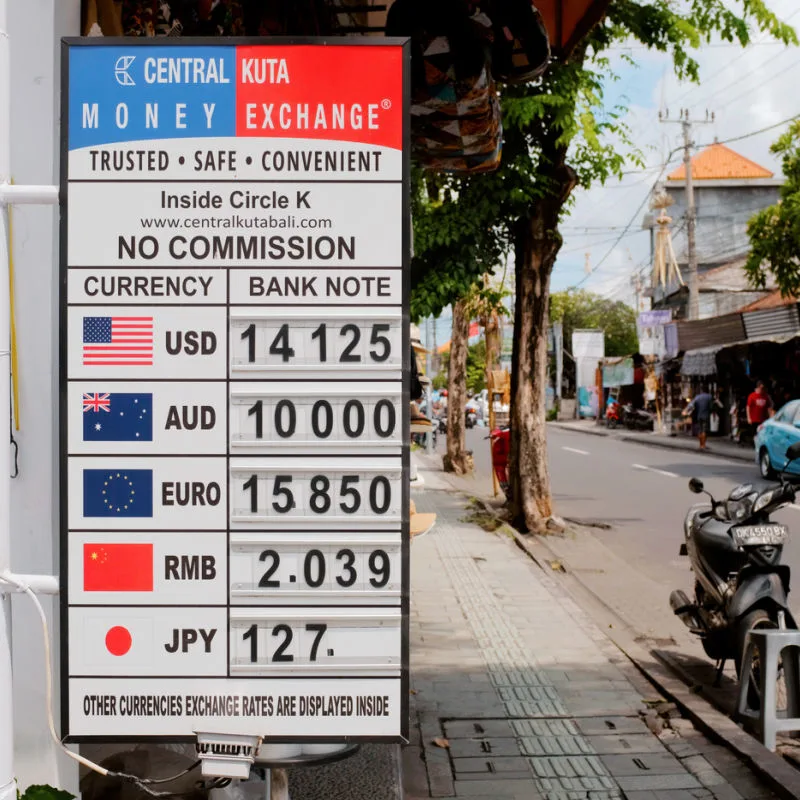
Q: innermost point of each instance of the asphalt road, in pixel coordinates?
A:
(641, 493)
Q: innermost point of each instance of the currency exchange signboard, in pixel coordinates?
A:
(234, 413)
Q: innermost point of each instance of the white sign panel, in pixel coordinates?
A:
(235, 358)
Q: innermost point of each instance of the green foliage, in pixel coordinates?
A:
(582, 309)
(44, 792)
(483, 301)
(775, 231)
(463, 226)
(439, 380)
(476, 366)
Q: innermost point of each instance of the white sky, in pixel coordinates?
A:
(748, 89)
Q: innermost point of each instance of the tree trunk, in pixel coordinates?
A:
(491, 332)
(457, 460)
(536, 243)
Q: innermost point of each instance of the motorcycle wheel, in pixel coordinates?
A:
(612, 423)
(759, 619)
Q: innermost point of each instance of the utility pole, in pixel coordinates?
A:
(429, 385)
(435, 359)
(691, 211)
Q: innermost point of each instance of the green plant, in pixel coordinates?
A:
(439, 380)
(582, 309)
(775, 231)
(476, 366)
(44, 792)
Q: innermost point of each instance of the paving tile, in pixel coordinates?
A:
(490, 765)
(483, 747)
(555, 746)
(575, 786)
(669, 794)
(497, 788)
(545, 708)
(637, 782)
(568, 767)
(630, 743)
(727, 792)
(647, 795)
(682, 749)
(643, 764)
(544, 727)
(537, 694)
(510, 775)
(610, 724)
(469, 728)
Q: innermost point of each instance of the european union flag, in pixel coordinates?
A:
(118, 493)
(117, 417)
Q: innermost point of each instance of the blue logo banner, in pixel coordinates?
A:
(128, 94)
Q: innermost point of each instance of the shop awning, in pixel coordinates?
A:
(703, 361)
(569, 20)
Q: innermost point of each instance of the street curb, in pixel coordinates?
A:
(687, 448)
(654, 441)
(782, 778)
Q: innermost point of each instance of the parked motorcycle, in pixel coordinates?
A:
(500, 445)
(638, 418)
(613, 414)
(740, 584)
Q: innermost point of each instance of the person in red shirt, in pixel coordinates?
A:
(759, 406)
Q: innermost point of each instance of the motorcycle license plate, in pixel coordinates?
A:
(748, 535)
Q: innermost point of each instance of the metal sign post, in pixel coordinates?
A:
(234, 375)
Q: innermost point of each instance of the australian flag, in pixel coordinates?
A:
(118, 493)
(117, 417)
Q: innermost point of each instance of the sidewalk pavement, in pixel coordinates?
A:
(517, 695)
(717, 446)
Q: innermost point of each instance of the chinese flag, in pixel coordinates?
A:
(118, 568)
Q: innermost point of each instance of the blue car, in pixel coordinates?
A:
(774, 437)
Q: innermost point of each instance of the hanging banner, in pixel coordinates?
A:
(649, 319)
(588, 348)
(619, 374)
(234, 380)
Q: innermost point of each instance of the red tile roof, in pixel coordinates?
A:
(774, 300)
(718, 162)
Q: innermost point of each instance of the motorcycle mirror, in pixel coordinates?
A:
(696, 485)
(793, 453)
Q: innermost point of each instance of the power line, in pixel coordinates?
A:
(738, 45)
(762, 82)
(625, 230)
(663, 168)
(706, 80)
(726, 67)
(751, 134)
(596, 244)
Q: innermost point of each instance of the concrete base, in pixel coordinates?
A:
(567, 410)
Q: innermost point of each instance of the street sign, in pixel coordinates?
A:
(234, 380)
(650, 319)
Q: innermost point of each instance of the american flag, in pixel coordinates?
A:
(117, 341)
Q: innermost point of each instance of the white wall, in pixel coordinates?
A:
(35, 28)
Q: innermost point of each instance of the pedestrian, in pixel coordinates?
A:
(759, 407)
(700, 407)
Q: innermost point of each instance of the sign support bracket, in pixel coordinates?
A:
(45, 584)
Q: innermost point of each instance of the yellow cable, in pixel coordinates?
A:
(14, 363)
